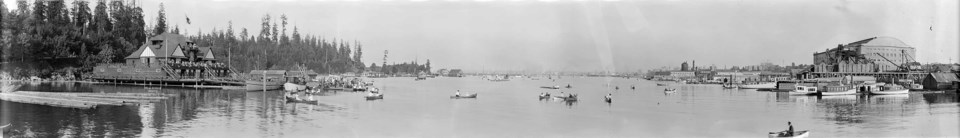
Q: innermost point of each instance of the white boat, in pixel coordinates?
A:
(796, 134)
(890, 92)
(846, 92)
(767, 85)
(804, 90)
(294, 87)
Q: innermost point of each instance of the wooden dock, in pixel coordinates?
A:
(81, 100)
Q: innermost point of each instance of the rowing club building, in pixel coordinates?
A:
(164, 59)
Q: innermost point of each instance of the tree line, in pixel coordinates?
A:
(45, 37)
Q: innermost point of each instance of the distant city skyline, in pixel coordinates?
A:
(587, 36)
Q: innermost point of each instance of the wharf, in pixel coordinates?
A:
(81, 100)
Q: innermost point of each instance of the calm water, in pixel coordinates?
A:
(424, 109)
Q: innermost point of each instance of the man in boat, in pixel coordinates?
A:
(790, 129)
(458, 93)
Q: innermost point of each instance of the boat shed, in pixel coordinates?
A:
(940, 81)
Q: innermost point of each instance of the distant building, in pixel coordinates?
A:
(165, 56)
(455, 73)
(940, 81)
(868, 55)
(684, 67)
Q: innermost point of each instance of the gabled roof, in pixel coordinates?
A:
(136, 54)
(206, 53)
(944, 77)
(170, 44)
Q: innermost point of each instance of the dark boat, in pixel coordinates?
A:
(374, 97)
(464, 96)
(544, 96)
(291, 99)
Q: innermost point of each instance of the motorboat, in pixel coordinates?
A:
(783, 134)
(891, 89)
(804, 90)
(844, 92)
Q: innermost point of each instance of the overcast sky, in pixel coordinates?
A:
(591, 35)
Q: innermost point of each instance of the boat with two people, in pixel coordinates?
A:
(293, 98)
(669, 90)
(544, 96)
(608, 98)
(566, 97)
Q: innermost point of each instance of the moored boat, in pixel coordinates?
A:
(294, 87)
(844, 92)
(891, 89)
(764, 85)
(261, 85)
(783, 134)
(804, 90)
(300, 100)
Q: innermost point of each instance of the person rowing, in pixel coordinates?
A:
(789, 129)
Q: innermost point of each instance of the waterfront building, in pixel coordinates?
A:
(940, 81)
(868, 55)
(165, 57)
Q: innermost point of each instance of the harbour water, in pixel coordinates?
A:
(508, 108)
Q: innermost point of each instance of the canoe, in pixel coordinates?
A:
(374, 97)
(847, 92)
(565, 98)
(769, 85)
(550, 87)
(797, 134)
(890, 92)
(464, 96)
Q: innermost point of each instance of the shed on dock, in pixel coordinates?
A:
(940, 81)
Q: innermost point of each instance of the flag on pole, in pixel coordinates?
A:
(188, 18)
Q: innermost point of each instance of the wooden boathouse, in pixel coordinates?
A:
(165, 59)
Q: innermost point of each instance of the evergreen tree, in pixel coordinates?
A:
(161, 21)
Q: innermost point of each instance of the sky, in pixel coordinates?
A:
(590, 35)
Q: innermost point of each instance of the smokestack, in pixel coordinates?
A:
(694, 65)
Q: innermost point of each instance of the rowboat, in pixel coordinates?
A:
(464, 96)
(550, 87)
(846, 92)
(566, 98)
(768, 85)
(374, 96)
(658, 84)
(544, 96)
(261, 85)
(804, 90)
(783, 134)
(299, 100)
(668, 90)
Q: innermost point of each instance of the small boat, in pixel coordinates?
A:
(544, 96)
(568, 86)
(550, 87)
(660, 84)
(374, 96)
(299, 100)
(804, 90)
(633, 87)
(891, 90)
(669, 90)
(846, 92)
(607, 99)
(464, 96)
(729, 86)
(293, 87)
(566, 98)
(783, 134)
